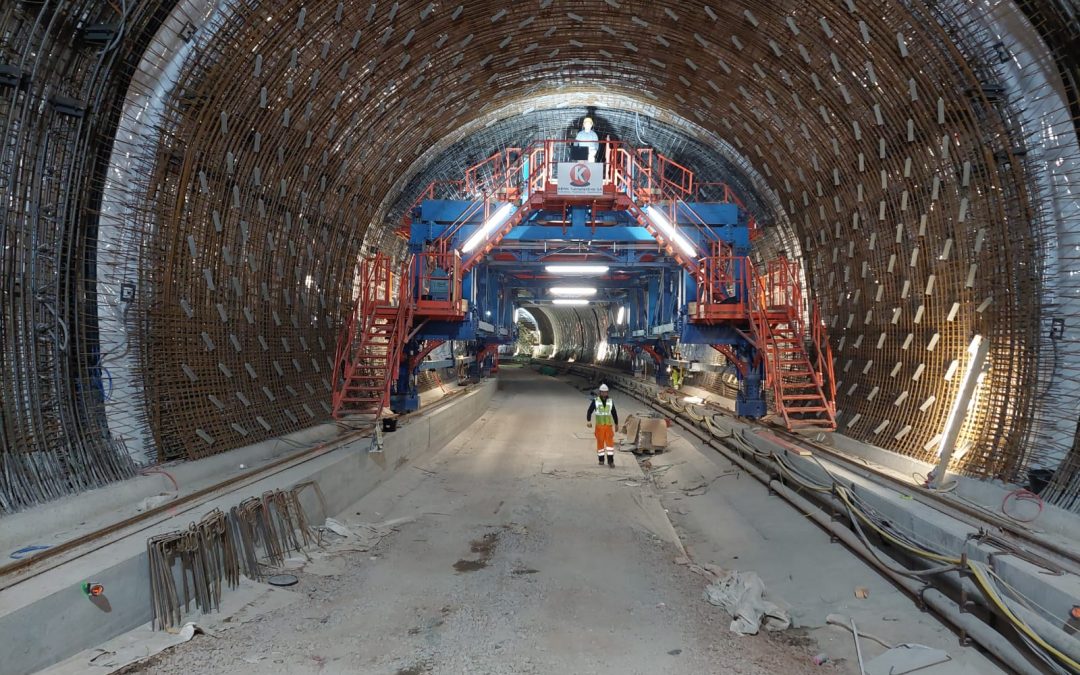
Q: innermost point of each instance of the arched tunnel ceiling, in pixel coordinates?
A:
(862, 122)
(882, 132)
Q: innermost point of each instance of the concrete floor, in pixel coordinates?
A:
(526, 557)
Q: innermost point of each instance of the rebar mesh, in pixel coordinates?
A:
(893, 144)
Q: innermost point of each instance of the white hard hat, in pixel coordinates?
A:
(603, 387)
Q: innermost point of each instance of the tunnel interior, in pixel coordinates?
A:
(205, 202)
(180, 260)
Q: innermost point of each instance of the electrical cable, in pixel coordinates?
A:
(693, 415)
(1028, 602)
(1022, 495)
(923, 482)
(979, 570)
(120, 30)
(1039, 646)
(156, 469)
(913, 574)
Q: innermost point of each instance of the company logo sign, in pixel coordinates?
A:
(580, 175)
(581, 179)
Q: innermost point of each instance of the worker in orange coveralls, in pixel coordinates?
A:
(607, 418)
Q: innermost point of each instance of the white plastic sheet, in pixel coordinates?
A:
(743, 595)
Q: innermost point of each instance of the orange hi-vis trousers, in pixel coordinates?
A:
(605, 439)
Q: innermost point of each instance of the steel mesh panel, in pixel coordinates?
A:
(878, 140)
(60, 90)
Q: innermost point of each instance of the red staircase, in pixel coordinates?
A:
(802, 380)
(369, 348)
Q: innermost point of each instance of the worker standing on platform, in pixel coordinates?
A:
(607, 418)
(587, 138)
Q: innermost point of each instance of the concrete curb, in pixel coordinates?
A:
(40, 626)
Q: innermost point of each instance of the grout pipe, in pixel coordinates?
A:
(991, 640)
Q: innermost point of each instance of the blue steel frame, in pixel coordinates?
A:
(655, 292)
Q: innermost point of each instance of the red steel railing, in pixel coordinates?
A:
(824, 366)
(381, 310)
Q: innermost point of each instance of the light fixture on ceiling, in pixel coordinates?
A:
(570, 301)
(572, 291)
(497, 220)
(657, 217)
(621, 316)
(577, 269)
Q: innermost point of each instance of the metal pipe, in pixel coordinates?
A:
(1053, 634)
(991, 640)
(858, 647)
(977, 352)
(987, 637)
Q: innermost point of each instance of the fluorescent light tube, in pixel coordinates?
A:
(570, 301)
(657, 217)
(576, 269)
(497, 220)
(572, 291)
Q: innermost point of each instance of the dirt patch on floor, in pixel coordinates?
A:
(484, 547)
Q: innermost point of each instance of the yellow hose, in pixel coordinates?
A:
(842, 492)
(984, 583)
(987, 588)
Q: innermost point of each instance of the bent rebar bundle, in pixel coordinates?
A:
(192, 566)
(207, 558)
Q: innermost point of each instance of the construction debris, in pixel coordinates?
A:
(744, 596)
(337, 528)
(702, 488)
(250, 601)
(906, 658)
(646, 432)
(845, 622)
(154, 502)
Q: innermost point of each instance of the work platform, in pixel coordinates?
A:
(530, 227)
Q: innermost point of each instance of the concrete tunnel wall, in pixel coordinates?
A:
(233, 160)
